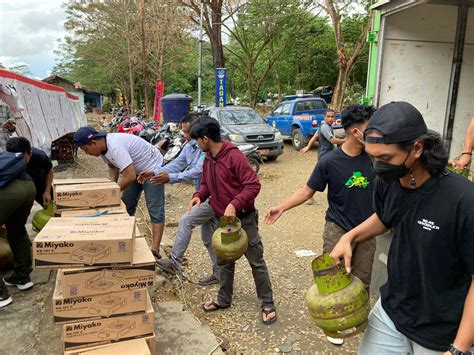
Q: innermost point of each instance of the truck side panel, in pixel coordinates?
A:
(416, 61)
(465, 103)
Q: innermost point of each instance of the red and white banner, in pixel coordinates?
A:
(160, 89)
(49, 111)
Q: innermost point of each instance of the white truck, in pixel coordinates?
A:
(422, 52)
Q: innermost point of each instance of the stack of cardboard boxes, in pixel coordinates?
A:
(101, 298)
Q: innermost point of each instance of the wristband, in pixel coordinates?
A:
(454, 351)
(466, 153)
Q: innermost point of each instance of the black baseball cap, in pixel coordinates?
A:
(397, 122)
(85, 135)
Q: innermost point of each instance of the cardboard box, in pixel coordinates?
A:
(130, 347)
(96, 306)
(96, 281)
(60, 182)
(76, 242)
(96, 212)
(109, 330)
(138, 234)
(82, 196)
(57, 182)
(118, 348)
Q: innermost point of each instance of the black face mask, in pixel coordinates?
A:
(390, 172)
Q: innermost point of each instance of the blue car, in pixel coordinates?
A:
(299, 119)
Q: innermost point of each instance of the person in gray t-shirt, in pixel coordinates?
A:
(326, 134)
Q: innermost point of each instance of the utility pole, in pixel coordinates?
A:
(200, 58)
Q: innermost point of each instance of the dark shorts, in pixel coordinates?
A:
(362, 255)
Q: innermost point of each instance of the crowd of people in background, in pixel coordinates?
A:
(388, 173)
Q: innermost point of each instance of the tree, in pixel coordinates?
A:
(121, 44)
(212, 24)
(347, 51)
(308, 62)
(260, 33)
(22, 69)
(216, 13)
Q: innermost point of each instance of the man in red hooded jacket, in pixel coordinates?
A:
(232, 186)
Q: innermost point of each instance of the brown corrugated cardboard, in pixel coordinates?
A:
(96, 306)
(130, 347)
(81, 196)
(150, 342)
(105, 211)
(61, 182)
(138, 234)
(57, 182)
(96, 212)
(95, 281)
(75, 242)
(108, 330)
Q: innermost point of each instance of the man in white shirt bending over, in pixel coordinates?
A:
(128, 155)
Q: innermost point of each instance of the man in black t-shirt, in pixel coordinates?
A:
(348, 174)
(427, 304)
(39, 167)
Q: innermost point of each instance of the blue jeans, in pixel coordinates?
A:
(205, 217)
(381, 337)
(154, 197)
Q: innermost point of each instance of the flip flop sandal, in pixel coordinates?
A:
(156, 254)
(214, 304)
(267, 311)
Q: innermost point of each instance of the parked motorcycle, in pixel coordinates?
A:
(148, 133)
(117, 121)
(252, 154)
(174, 148)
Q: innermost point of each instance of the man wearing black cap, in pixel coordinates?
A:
(128, 155)
(427, 304)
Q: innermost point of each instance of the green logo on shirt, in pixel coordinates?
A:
(357, 180)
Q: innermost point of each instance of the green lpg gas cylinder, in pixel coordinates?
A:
(229, 241)
(42, 217)
(338, 302)
(6, 256)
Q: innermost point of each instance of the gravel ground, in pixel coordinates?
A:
(240, 327)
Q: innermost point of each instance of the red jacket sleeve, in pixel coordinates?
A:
(249, 179)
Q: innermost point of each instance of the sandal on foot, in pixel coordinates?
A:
(266, 311)
(156, 254)
(214, 304)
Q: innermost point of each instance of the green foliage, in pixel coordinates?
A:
(273, 48)
(107, 105)
(309, 55)
(22, 69)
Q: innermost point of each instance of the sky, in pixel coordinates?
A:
(29, 30)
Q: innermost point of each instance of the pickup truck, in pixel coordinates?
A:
(299, 119)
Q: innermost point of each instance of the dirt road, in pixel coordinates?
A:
(240, 326)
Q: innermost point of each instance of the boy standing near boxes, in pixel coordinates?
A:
(232, 187)
(128, 155)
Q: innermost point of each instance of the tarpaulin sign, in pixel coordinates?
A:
(160, 89)
(221, 87)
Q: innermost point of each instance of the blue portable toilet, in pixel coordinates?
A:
(175, 106)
